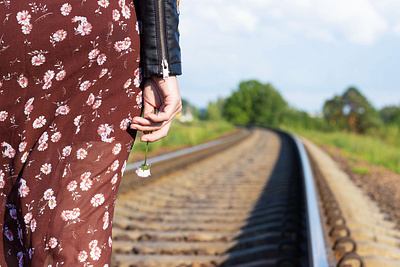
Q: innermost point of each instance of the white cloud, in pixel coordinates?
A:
(230, 18)
(356, 21)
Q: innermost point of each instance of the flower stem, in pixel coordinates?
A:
(145, 156)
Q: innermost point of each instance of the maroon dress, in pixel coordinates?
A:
(69, 85)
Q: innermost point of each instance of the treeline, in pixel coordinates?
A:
(255, 103)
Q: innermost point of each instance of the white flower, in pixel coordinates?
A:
(104, 130)
(59, 35)
(23, 189)
(124, 124)
(56, 137)
(22, 146)
(93, 244)
(114, 165)
(28, 217)
(97, 104)
(123, 168)
(75, 213)
(9, 152)
(33, 225)
(53, 242)
(39, 122)
(121, 3)
(103, 72)
(66, 151)
(103, 3)
(110, 241)
(86, 184)
(82, 256)
(83, 29)
(23, 81)
(72, 186)
(3, 115)
(24, 157)
(66, 9)
(116, 149)
(106, 220)
(95, 253)
(122, 45)
(48, 76)
(94, 53)
(138, 77)
(143, 170)
(77, 120)
(52, 202)
(127, 83)
(85, 85)
(67, 215)
(63, 110)
(38, 60)
(46, 168)
(23, 17)
(81, 153)
(97, 200)
(101, 59)
(43, 138)
(43, 146)
(47, 85)
(26, 29)
(126, 12)
(139, 98)
(90, 100)
(85, 175)
(115, 15)
(114, 179)
(29, 106)
(48, 193)
(61, 75)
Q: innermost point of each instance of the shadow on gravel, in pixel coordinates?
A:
(275, 232)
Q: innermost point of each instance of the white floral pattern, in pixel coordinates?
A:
(69, 87)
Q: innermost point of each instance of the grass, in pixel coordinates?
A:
(372, 149)
(187, 134)
(361, 170)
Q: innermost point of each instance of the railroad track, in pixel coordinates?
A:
(254, 204)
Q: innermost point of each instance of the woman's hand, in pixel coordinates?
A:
(163, 95)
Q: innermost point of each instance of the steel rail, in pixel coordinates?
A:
(316, 241)
(167, 163)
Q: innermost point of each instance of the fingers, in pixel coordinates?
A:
(156, 135)
(164, 96)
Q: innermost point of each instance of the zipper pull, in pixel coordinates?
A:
(165, 69)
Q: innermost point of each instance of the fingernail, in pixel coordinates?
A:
(133, 127)
(144, 140)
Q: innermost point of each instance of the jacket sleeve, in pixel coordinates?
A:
(160, 51)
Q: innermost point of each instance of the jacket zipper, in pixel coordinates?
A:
(162, 39)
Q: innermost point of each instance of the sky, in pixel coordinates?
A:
(309, 50)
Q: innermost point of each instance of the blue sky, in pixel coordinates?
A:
(309, 50)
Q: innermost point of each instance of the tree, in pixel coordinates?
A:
(391, 115)
(214, 110)
(255, 103)
(351, 111)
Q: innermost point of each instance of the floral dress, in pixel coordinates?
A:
(69, 85)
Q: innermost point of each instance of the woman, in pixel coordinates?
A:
(70, 103)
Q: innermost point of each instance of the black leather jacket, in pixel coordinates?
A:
(160, 51)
